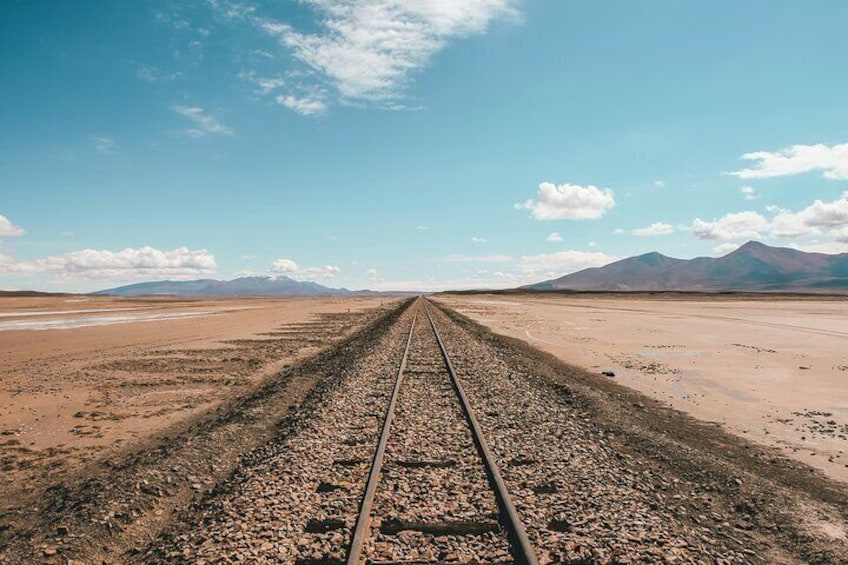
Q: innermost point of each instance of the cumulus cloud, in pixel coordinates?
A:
(569, 202)
(373, 275)
(477, 239)
(657, 228)
(818, 218)
(128, 264)
(305, 106)
(813, 219)
(422, 228)
(840, 235)
(204, 123)
(369, 50)
(8, 229)
(731, 226)
(288, 267)
(554, 237)
(563, 262)
(831, 160)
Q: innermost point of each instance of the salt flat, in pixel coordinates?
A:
(772, 369)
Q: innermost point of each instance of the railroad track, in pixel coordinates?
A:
(443, 495)
(388, 465)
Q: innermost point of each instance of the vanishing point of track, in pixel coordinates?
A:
(520, 547)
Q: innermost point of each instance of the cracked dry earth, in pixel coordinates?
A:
(597, 472)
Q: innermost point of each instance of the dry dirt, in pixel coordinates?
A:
(84, 377)
(772, 370)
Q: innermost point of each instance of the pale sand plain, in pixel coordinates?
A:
(773, 370)
(83, 376)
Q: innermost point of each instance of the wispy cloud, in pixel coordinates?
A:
(304, 106)
(368, 51)
(105, 145)
(477, 239)
(204, 123)
(569, 202)
(749, 192)
(657, 228)
(554, 237)
(153, 74)
(831, 160)
(563, 262)
(8, 229)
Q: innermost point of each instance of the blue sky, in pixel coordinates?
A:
(412, 144)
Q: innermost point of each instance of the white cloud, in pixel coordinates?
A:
(105, 145)
(563, 262)
(840, 235)
(619, 231)
(657, 228)
(726, 248)
(476, 239)
(284, 266)
(659, 184)
(422, 228)
(812, 219)
(305, 106)
(817, 218)
(797, 159)
(554, 237)
(731, 226)
(477, 258)
(749, 192)
(264, 85)
(829, 247)
(570, 202)
(8, 229)
(369, 50)
(373, 275)
(290, 268)
(205, 124)
(788, 224)
(128, 264)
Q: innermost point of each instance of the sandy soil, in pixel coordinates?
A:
(771, 370)
(81, 377)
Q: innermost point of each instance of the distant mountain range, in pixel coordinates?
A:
(753, 267)
(244, 286)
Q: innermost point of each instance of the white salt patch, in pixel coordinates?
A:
(71, 323)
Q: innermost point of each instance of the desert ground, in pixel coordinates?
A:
(770, 369)
(84, 377)
(188, 431)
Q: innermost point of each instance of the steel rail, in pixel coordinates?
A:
(522, 547)
(363, 521)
